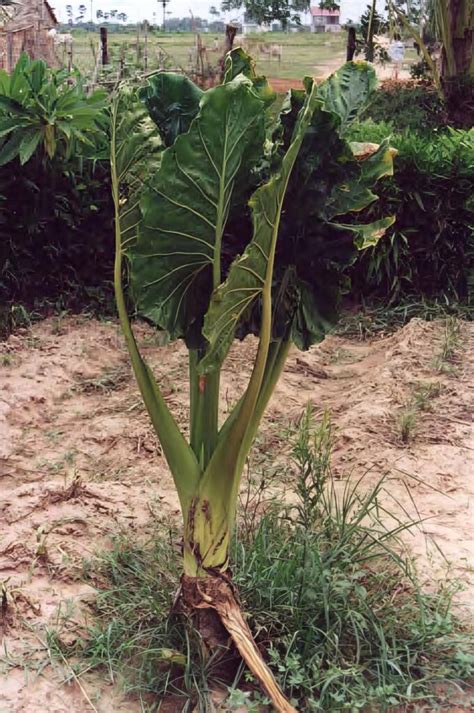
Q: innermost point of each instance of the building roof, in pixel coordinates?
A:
(27, 12)
(51, 12)
(320, 12)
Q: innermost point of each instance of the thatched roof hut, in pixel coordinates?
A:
(25, 27)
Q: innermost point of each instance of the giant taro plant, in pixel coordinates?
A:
(228, 228)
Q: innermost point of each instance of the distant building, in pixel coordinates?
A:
(250, 26)
(25, 27)
(325, 20)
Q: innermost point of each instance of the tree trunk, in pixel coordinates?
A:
(213, 603)
(458, 47)
(103, 46)
(369, 50)
(457, 59)
(351, 44)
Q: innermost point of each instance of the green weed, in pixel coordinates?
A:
(111, 379)
(337, 600)
(451, 341)
(420, 400)
(377, 320)
(333, 596)
(407, 423)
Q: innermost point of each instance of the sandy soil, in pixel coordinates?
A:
(79, 463)
(383, 72)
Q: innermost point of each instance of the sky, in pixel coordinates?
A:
(137, 10)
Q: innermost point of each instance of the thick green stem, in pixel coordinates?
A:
(212, 513)
(204, 410)
(277, 356)
(209, 528)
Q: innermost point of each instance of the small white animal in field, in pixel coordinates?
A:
(60, 38)
(270, 50)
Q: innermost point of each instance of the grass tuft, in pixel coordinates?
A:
(420, 400)
(451, 341)
(330, 592)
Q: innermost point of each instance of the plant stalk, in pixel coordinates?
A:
(204, 410)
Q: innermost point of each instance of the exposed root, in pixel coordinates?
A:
(216, 592)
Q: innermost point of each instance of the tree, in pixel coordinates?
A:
(371, 23)
(99, 14)
(329, 5)
(69, 13)
(81, 10)
(214, 11)
(122, 17)
(264, 12)
(453, 22)
(218, 247)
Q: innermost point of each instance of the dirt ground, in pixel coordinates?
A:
(79, 463)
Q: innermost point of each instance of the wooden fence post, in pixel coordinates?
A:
(145, 49)
(103, 45)
(230, 33)
(351, 44)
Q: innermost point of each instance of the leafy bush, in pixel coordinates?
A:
(428, 252)
(55, 209)
(406, 106)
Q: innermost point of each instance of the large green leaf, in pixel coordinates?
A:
(238, 61)
(135, 155)
(177, 259)
(331, 177)
(367, 234)
(252, 272)
(347, 91)
(374, 162)
(29, 144)
(172, 101)
(10, 148)
(310, 323)
(132, 157)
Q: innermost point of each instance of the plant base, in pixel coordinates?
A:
(214, 601)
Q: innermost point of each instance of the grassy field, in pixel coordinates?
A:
(302, 53)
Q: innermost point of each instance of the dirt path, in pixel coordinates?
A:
(321, 72)
(79, 463)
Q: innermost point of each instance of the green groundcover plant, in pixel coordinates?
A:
(332, 593)
(230, 226)
(428, 252)
(55, 204)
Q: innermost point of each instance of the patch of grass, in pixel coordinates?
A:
(111, 379)
(423, 395)
(6, 359)
(407, 421)
(337, 602)
(451, 342)
(303, 53)
(420, 400)
(135, 639)
(330, 592)
(378, 320)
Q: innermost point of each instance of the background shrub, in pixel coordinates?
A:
(56, 213)
(428, 252)
(407, 106)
